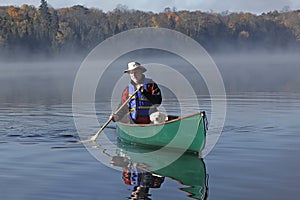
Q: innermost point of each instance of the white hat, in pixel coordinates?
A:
(135, 65)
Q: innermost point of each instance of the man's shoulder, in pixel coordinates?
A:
(126, 89)
(149, 81)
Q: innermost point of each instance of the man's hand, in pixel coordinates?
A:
(114, 117)
(140, 87)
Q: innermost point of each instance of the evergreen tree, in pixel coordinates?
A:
(44, 23)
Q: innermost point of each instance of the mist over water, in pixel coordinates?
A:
(260, 71)
(51, 81)
(46, 82)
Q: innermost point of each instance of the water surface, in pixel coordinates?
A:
(256, 157)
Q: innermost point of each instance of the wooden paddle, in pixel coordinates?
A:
(93, 139)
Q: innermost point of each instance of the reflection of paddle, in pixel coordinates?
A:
(111, 117)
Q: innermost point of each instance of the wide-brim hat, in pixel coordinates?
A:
(134, 65)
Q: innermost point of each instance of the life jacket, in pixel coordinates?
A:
(135, 177)
(139, 105)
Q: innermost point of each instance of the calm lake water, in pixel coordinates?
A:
(256, 157)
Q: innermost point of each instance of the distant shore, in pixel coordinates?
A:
(78, 29)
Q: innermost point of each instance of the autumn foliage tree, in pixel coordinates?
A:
(79, 29)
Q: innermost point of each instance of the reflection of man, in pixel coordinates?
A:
(140, 192)
(134, 174)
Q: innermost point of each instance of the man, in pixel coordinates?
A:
(145, 101)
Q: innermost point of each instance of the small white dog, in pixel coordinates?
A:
(158, 117)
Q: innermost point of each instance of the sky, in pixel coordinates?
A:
(253, 6)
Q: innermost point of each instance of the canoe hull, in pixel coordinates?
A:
(185, 133)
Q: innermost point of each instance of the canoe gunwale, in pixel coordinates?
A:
(202, 113)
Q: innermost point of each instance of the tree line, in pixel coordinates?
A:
(80, 29)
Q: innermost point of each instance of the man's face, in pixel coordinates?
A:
(136, 75)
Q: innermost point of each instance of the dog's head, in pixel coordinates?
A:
(158, 117)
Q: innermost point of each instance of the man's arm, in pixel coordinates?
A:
(118, 116)
(153, 93)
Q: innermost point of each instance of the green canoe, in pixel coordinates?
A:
(185, 133)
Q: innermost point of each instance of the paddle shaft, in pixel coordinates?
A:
(111, 117)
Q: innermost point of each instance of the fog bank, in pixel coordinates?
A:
(51, 81)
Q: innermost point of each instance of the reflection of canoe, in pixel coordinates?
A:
(188, 169)
(187, 133)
